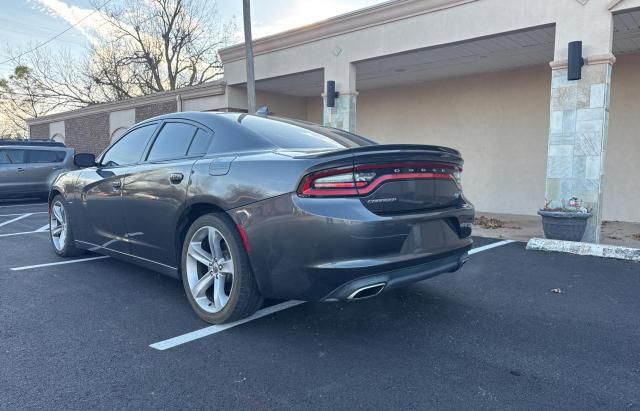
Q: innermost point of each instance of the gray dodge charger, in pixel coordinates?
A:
(244, 207)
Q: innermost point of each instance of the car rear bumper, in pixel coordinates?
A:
(325, 249)
(372, 285)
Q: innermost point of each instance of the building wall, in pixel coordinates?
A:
(207, 103)
(88, 134)
(622, 162)
(314, 109)
(499, 121)
(39, 131)
(283, 105)
(152, 110)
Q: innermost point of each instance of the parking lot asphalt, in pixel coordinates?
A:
(492, 335)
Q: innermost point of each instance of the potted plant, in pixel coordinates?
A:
(562, 221)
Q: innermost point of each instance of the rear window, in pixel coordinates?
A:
(46, 156)
(297, 135)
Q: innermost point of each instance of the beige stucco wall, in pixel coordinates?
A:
(292, 52)
(283, 105)
(314, 109)
(622, 162)
(499, 121)
(207, 103)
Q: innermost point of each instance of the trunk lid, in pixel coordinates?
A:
(390, 178)
(408, 178)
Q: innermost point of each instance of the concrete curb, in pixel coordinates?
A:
(596, 250)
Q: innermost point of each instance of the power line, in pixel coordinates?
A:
(57, 35)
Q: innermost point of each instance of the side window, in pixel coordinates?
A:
(129, 148)
(200, 143)
(9, 156)
(45, 156)
(172, 142)
(4, 157)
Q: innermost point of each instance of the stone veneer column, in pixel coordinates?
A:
(578, 139)
(343, 115)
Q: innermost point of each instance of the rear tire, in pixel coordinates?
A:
(218, 280)
(60, 232)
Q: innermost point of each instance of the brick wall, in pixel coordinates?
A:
(39, 131)
(88, 134)
(152, 110)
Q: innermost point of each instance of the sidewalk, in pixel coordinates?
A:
(524, 227)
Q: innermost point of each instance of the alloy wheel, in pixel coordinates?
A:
(210, 269)
(58, 225)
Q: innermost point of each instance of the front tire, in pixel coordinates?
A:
(216, 272)
(60, 232)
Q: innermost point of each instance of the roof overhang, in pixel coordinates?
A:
(368, 17)
(212, 88)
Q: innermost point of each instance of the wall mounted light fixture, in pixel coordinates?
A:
(575, 63)
(332, 94)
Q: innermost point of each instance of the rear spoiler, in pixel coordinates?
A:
(445, 153)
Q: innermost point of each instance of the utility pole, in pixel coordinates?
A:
(248, 43)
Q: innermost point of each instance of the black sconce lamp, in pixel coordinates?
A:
(574, 70)
(331, 93)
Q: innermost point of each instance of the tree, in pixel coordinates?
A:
(21, 97)
(160, 45)
(144, 47)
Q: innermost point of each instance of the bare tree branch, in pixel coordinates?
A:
(151, 46)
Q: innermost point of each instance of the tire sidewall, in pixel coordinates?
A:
(242, 271)
(66, 249)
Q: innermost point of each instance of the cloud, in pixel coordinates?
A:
(303, 13)
(86, 20)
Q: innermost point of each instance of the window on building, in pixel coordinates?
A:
(46, 156)
(129, 148)
(172, 142)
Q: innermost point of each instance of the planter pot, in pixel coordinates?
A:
(564, 225)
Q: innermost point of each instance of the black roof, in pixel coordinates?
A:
(46, 143)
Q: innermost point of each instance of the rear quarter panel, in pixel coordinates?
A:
(251, 177)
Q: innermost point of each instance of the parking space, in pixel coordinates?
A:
(492, 335)
(19, 218)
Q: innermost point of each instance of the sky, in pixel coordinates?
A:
(27, 23)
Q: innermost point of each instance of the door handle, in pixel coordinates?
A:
(175, 178)
(20, 169)
(117, 184)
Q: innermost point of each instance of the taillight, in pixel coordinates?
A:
(361, 180)
(335, 182)
(457, 176)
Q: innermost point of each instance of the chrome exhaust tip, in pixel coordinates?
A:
(367, 292)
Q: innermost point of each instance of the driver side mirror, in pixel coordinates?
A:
(84, 160)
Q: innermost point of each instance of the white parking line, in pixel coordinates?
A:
(489, 246)
(15, 214)
(79, 260)
(15, 219)
(214, 329)
(43, 228)
(24, 232)
(22, 205)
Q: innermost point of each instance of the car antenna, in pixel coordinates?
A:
(263, 111)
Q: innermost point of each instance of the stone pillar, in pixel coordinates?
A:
(578, 137)
(343, 114)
